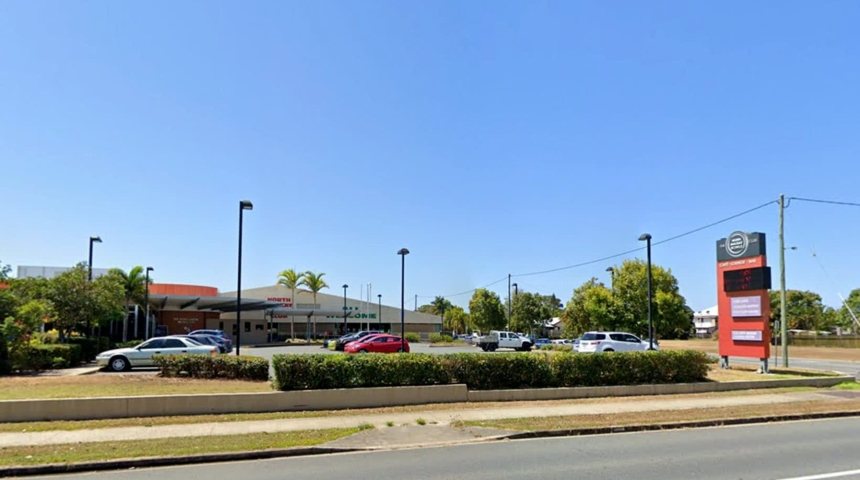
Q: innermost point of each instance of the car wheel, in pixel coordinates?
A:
(400, 350)
(362, 351)
(609, 350)
(484, 348)
(527, 347)
(119, 364)
(492, 348)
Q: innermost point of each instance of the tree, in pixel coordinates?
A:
(552, 304)
(591, 307)
(134, 290)
(4, 271)
(848, 318)
(804, 310)
(486, 311)
(315, 283)
(456, 319)
(291, 279)
(78, 302)
(529, 312)
(670, 314)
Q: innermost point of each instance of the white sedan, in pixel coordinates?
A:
(141, 356)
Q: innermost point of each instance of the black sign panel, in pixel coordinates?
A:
(746, 279)
(740, 245)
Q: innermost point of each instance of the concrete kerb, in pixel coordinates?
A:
(148, 462)
(171, 405)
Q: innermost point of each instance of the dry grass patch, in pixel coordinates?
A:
(667, 416)
(82, 386)
(821, 353)
(167, 447)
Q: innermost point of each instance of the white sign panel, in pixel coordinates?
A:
(746, 335)
(746, 306)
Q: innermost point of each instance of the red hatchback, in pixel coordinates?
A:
(382, 343)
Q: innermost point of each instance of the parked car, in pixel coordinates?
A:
(381, 343)
(209, 340)
(342, 341)
(498, 339)
(596, 342)
(141, 356)
(540, 342)
(228, 344)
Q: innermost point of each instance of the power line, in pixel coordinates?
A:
(620, 254)
(831, 202)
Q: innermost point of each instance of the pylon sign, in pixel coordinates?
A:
(743, 284)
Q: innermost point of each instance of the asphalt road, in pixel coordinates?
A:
(770, 451)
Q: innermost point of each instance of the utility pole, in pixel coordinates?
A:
(510, 300)
(783, 328)
(416, 303)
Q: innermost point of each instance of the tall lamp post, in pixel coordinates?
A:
(345, 286)
(146, 303)
(646, 237)
(403, 252)
(379, 313)
(95, 239)
(611, 271)
(243, 205)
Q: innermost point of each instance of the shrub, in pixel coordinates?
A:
(128, 344)
(218, 367)
(440, 338)
(300, 372)
(43, 357)
(5, 363)
(413, 337)
(485, 372)
(90, 347)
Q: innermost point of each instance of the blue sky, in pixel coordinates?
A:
(488, 138)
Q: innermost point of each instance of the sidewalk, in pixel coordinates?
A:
(380, 420)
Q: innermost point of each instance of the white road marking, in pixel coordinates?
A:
(826, 475)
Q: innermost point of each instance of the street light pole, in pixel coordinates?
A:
(647, 238)
(403, 252)
(510, 301)
(379, 314)
(345, 286)
(146, 303)
(243, 205)
(783, 327)
(96, 239)
(611, 271)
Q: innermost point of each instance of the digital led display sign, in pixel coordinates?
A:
(746, 279)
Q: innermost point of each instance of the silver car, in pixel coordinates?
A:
(122, 359)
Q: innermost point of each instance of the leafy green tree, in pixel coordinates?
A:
(4, 271)
(109, 300)
(8, 303)
(134, 290)
(427, 308)
(591, 307)
(456, 320)
(291, 279)
(804, 310)
(529, 312)
(845, 319)
(552, 304)
(486, 311)
(314, 282)
(671, 316)
(70, 295)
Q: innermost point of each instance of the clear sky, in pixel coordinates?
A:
(487, 137)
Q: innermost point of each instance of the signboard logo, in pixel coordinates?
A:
(737, 244)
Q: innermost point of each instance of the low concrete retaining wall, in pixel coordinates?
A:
(163, 405)
(166, 405)
(636, 390)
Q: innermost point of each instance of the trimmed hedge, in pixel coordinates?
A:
(221, 367)
(90, 347)
(413, 337)
(440, 338)
(488, 372)
(47, 356)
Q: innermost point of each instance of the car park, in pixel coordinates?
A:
(121, 359)
(597, 342)
(381, 343)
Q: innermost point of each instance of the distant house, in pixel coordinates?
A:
(552, 327)
(705, 322)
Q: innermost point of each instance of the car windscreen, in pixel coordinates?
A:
(196, 341)
(594, 336)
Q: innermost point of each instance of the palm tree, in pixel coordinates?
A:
(134, 288)
(291, 279)
(440, 304)
(315, 283)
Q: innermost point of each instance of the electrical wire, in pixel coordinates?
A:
(831, 202)
(616, 255)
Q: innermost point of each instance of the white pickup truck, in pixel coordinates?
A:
(499, 339)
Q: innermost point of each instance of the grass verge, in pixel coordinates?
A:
(664, 416)
(125, 385)
(167, 447)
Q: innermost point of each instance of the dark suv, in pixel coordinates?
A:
(226, 344)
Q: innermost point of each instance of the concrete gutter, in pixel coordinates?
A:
(337, 399)
(20, 471)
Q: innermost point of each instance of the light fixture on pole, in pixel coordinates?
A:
(611, 271)
(146, 304)
(403, 252)
(345, 286)
(646, 237)
(243, 205)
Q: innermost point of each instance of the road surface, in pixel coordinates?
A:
(810, 449)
